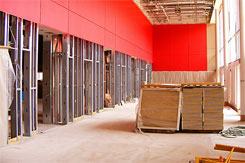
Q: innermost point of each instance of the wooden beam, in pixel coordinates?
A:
(4, 47)
(229, 148)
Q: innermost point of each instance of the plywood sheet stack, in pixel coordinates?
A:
(159, 109)
(192, 109)
(213, 104)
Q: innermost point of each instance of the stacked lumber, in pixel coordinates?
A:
(192, 109)
(159, 108)
(202, 106)
(213, 104)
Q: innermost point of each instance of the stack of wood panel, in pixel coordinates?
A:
(213, 104)
(192, 109)
(202, 106)
(159, 108)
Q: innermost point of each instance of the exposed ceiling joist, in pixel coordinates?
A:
(177, 11)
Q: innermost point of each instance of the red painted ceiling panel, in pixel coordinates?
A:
(26, 9)
(54, 16)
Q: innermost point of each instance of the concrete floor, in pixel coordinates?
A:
(110, 137)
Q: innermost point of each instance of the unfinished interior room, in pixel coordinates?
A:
(122, 81)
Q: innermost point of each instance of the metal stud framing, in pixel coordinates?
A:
(123, 77)
(30, 53)
(65, 78)
(95, 78)
(10, 34)
(73, 50)
(22, 37)
(101, 73)
(47, 82)
(73, 76)
(113, 78)
(88, 77)
(149, 73)
(129, 79)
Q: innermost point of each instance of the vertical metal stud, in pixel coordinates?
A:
(27, 77)
(94, 52)
(34, 77)
(113, 78)
(101, 78)
(13, 40)
(71, 79)
(65, 78)
(78, 79)
(48, 83)
(83, 50)
(20, 62)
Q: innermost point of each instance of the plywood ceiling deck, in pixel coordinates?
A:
(176, 11)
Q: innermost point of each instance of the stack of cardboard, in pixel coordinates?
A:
(213, 104)
(192, 109)
(159, 108)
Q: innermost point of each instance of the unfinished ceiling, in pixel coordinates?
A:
(177, 11)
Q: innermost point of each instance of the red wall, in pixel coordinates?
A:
(116, 24)
(180, 47)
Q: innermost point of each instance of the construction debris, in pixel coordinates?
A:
(233, 132)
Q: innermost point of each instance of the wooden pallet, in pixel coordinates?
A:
(201, 131)
(150, 130)
(4, 47)
(201, 85)
(160, 85)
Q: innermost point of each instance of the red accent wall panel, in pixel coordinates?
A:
(110, 40)
(27, 9)
(54, 16)
(63, 3)
(80, 27)
(180, 47)
(110, 16)
(116, 24)
(92, 10)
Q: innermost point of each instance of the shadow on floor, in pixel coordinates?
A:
(123, 126)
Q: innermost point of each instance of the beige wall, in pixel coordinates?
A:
(211, 47)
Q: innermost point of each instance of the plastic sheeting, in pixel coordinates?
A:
(183, 76)
(7, 78)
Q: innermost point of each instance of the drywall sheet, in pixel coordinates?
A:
(6, 93)
(183, 76)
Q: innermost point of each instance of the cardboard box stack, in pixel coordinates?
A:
(192, 109)
(213, 104)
